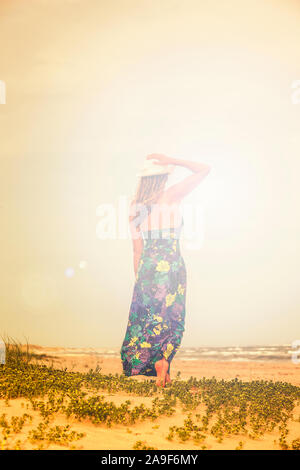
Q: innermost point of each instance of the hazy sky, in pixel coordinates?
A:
(93, 86)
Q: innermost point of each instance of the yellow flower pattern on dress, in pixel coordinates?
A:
(157, 318)
(157, 329)
(145, 345)
(163, 266)
(170, 299)
(180, 289)
(168, 351)
(133, 340)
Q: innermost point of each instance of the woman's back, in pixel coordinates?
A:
(163, 215)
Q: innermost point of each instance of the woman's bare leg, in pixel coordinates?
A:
(162, 368)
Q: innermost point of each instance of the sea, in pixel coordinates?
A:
(232, 354)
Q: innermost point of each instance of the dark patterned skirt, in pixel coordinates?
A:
(157, 312)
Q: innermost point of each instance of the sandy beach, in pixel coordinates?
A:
(249, 370)
(152, 433)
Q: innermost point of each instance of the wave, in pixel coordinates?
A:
(232, 353)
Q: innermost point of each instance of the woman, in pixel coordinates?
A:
(157, 312)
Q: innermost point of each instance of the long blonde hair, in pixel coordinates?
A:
(149, 190)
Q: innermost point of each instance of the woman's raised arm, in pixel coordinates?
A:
(179, 190)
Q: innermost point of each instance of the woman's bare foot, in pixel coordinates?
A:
(161, 368)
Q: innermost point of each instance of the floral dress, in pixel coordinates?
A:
(157, 311)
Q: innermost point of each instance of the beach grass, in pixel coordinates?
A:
(199, 412)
